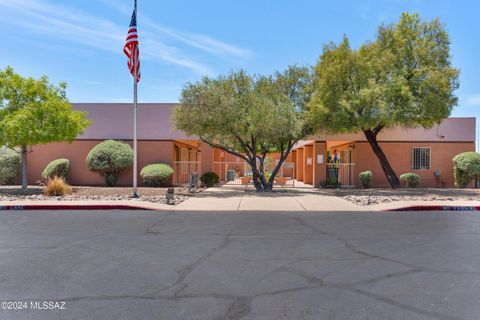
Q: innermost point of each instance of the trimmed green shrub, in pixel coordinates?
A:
(156, 174)
(366, 178)
(9, 166)
(210, 179)
(109, 158)
(57, 168)
(466, 167)
(411, 180)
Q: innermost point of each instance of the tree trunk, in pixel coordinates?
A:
(371, 136)
(258, 177)
(249, 155)
(256, 180)
(24, 168)
(258, 174)
(259, 181)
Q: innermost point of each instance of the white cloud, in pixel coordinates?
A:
(199, 41)
(41, 17)
(474, 101)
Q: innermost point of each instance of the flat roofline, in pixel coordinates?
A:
(178, 103)
(125, 103)
(461, 118)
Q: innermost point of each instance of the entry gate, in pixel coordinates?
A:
(231, 173)
(340, 174)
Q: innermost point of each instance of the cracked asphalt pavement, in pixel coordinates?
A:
(225, 265)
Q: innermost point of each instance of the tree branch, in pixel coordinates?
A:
(225, 148)
(377, 129)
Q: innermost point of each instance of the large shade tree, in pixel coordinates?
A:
(402, 78)
(33, 111)
(248, 116)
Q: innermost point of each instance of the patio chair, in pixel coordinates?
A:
(282, 181)
(246, 181)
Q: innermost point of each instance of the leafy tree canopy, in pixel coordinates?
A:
(248, 116)
(404, 78)
(33, 111)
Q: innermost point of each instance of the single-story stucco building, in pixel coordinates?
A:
(428, 152)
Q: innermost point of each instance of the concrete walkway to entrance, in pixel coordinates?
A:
(235, 198)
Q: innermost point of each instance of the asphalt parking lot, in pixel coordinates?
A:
(152, 265)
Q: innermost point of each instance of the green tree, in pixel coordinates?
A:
(403, 78)
(248, 116)
(33, 111)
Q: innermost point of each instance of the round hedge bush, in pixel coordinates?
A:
(466, 167)
(59, 168)
(156, 174)
(366, 178)
(411, 180)
(9, 166)
(210, 179)
(109, 158)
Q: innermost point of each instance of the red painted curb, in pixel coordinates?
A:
(437, 208)
(70, 207)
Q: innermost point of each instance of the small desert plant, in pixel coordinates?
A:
(109, 158)
(156, 175)
(9, 166)
(411, 180)
(56, 187)
(332, 182)
(57, 168)
(466, 167)
(366, 179)
(210, 179)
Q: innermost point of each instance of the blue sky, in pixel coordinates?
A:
(81, 41)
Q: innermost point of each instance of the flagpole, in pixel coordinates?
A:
(135, 83)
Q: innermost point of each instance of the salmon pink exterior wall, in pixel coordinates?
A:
(76, 152)
(308, 164)
(157, 137)
(299, 164)
(400, 157)
(319, 167)
(445, 140)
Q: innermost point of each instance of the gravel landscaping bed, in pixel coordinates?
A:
(366, 197)
(154, 195)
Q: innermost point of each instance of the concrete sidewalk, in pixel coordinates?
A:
(226, 198)
(233, 198)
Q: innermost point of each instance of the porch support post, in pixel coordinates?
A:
(319, 169)
(299, 164)
(308, 165)
(206, 158)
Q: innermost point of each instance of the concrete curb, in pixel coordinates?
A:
(73, 207)
(436, 208)
(233, 204)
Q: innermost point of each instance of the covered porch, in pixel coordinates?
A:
(233, 170)
(325, 163)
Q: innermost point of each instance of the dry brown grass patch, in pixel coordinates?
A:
(57, 187)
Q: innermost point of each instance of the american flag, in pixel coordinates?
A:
(131, 45)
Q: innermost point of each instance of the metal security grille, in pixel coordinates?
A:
(231, 173)
(340, 174)
(421, 159)
(183, 170)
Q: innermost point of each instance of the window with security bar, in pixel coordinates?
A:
(421, 159)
